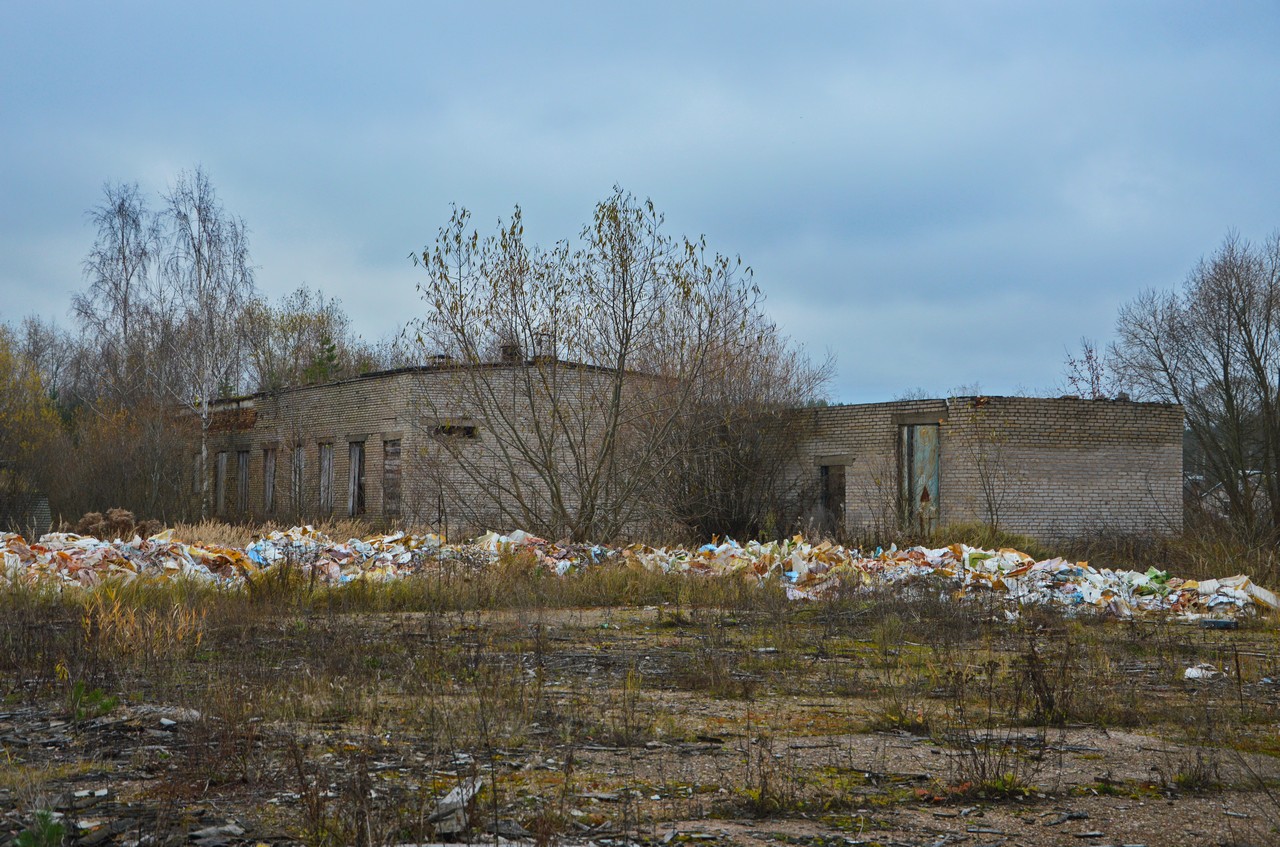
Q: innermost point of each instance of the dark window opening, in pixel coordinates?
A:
(833, 491)
(455, 431)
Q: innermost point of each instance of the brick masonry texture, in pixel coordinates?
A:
(412, 406)
(1051, 468)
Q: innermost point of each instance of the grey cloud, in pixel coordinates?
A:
(901, 170)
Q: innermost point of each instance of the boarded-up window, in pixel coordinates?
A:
(297, 491)
(220, 483)
(268, 480)
(391, 477)
(467, 431)
(355, 479)
(242, 481)
(326, 478)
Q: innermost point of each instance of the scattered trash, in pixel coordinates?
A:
(450, 816)
(217, 836)
(1203, 671)
(805, 570)
(507, 828)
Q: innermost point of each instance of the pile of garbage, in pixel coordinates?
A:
(807, 570)
(812, 571)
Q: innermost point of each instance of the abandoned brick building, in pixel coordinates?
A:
(1052, 468)
(374, 446)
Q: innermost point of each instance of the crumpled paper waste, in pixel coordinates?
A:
(84, 560)
(811, 571)
(375, 557)
(806, 570)
(1202, 671)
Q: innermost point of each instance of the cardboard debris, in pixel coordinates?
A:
(806, 570)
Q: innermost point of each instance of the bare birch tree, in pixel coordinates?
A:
(1214, 347)
(114, 380)
(208, 269)
(51, 351)
(116, 310)
(569, 370)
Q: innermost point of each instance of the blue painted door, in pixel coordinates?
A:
(919, 476)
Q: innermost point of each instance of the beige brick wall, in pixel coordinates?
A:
(368, 410)
(407, 405)
(1053, 468)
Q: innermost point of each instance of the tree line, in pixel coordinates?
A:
(687, 421)
(103, 412)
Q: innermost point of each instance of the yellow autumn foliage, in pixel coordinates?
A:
(28, 423)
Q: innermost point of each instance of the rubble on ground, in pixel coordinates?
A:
(806, 570)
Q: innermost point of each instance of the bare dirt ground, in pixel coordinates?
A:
(776, 724)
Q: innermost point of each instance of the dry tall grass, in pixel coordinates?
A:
(368, 702)
(211, 531)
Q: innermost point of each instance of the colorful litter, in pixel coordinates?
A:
(807, 571)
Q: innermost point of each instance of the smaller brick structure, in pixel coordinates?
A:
(1052, 468)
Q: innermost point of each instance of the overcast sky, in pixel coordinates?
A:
(939, 194)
